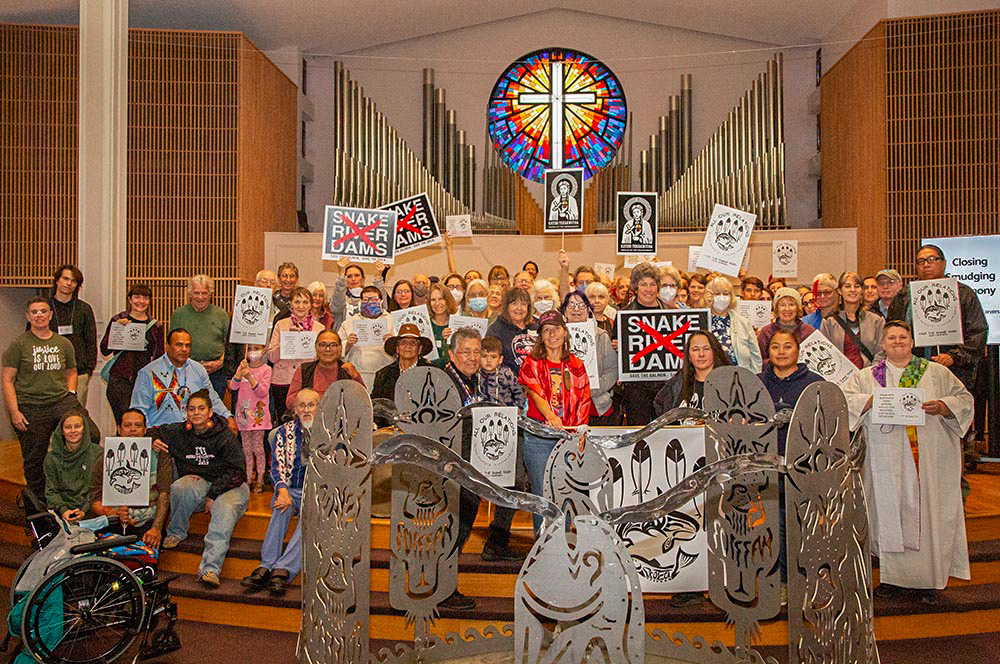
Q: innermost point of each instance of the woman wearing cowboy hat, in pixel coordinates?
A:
(408, 349)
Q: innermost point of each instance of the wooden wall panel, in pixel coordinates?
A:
(943, 141)
(183, 162)
(268, 122)
(853, 129)
(211, 157)
(910, 123)
(38, 152)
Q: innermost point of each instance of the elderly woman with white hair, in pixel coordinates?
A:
(544, 297)
(734, 332)
(600, 300)
(320, 308)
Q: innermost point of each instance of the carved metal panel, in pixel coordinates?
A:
(829, 563)
(742, 516)
(336, 529)
(574, 580)
(423, 567)
(570, 475)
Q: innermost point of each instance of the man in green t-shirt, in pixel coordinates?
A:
(39, 385)
(209, 329)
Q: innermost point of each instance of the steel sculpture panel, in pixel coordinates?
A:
(574, 581)
(829, 557)
(423, 567)
(742, 516)
(336, 529)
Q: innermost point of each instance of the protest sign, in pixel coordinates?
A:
(726, 240)
(494, 443)
(564, 200)
(128, 465)
(416, 226)
(251, 315)
(637, 219)
(651, 341)
(363, 235)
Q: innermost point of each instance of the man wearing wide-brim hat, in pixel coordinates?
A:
(407, 348)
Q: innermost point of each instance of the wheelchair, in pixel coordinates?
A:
(74, 603)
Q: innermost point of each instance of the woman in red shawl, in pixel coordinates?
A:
(558, 394)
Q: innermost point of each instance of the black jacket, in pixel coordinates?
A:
(785, 392)
(974, 332)
(214, 454)
(384, 384)
(84, 337)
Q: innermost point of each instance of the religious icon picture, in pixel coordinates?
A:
(564, 200)
(637, 221)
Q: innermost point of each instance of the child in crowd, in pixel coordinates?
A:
(497, 382)
(252, 385)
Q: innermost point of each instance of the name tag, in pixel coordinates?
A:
(65, 329)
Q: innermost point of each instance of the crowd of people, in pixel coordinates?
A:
(210, 456)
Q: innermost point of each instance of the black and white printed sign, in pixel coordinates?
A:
(670, 553)
(785, 258)
(758, 312)
(130, 336)
(564, 200)
(937, 315)
(418, 316)
(651, 342)
(251, 323)
(416, 226)
(583, 343)
(459, 225)
(825, 359)
(128, 464)
(726, 240)
(494, 443)
(365, 236)
(637, 220)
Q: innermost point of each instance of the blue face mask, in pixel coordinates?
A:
(477, 303)
(371, 309)
(582, 289)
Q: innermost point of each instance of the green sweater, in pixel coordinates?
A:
(209, 330)
(67, 474)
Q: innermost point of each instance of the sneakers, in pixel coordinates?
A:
(458, 602)
(258, 487)
(493, 554)
(170, 542)
(210, 579)
(257, 579)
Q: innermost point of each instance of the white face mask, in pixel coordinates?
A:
(457, 294)
(721, 302)
(254, 356)
(668, 293)
(354, 292)
(542, 306)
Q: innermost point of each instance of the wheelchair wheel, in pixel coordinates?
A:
(87, 611)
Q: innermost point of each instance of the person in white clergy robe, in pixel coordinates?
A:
(913, 487)
(564, 207)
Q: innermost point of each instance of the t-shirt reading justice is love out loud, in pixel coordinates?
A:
(41, 367)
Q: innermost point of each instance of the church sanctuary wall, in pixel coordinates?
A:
(820, 250)
(649, 59)
(910, 142)
(210, 164)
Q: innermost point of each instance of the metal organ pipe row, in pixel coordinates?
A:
(742, 165)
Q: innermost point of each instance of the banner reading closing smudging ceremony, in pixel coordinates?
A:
(975, 261)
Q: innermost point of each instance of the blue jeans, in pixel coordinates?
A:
(537, 451)
(187, 495)
(271, 556)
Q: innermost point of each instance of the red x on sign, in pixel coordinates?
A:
(404, 223)
(660, 341)
(360, 233)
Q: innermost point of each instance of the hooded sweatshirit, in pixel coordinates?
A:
(67, 474)
(214, 454)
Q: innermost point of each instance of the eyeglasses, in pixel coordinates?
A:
(328, 345)
(928, 260)
(576, 306)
